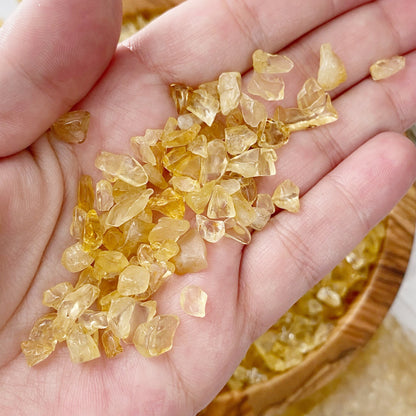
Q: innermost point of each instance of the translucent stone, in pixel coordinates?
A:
(81, 346)
(180, 137)
(85, 193)
(221, 204)
(253, 111)
(234, 118)
(169, 202)
(155, 337)
(199, 146)
(134, 232)
(188, 164)
(385, 68)
(198, 200)
(264, 201)
(231, 186)
(193, 300)
(145, 255)
(53, 297)
(133, 280)
(128, 208)
(74, 304)
(331, 69)
(103, 195)
(109, 264)
(180, 94)
(105, 300)
(122, 167)
(170, 125)
(165, 250)
(238, 139)
(91, 321)
(254, 162)
(211, 87)
(92, 237)
(78, 219)
(268, 86)
(237, 232)
(87, 276)
(119, 316)
(263, 210)
(185, 184)
(311, 95)
(286, 196)
(168, 229)
(210, 230)
(41, 342)
(187, 120)
(229, 89)
(192, 256)
(329, 297)
(75, 259)
(113, 238)
(213, 167)
(274, 135)
(111, 343)
(122, 189)
(143, 150)
(72, 127)
(248, 188)
(203, 105)
(155, 176)
(264, 62)
(244, 212)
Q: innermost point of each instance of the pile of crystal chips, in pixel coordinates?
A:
(151, 214)
(309, 322)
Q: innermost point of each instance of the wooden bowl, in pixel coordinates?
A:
(351, 333)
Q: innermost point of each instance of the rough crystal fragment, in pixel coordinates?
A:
(168, 229)
(286, 196)
(180, 137)
(91, 321)
(155, 176)
(53, 297)
(238, 139)
(78, 219)
(268, 86)
(385, 68)
(155, 337)
(237, 232)
(169, 202)
(128, 208)
(253, 111)
(113, 238)
(85, 193)
(203, 105)
(229, 89)
(142, 150)
(199, 146)
(165, 250)
(254, 162)
(180, 94)
(109, 264)
(329, 297)
(274, 134)
(331, 69)
(103, 195)
(263, 210)
(192, 256)
(213, 167)
(87, 276)
(119, 316)
(210, 230)
(311, 95)
(264, 62)
(75, 259)
(198, 200)
(231, 186)
(221, 204)
(92, 236)
(72, 127)
(185, 184)
(111, 343)
(81, 346)
(244, 212)
(193, 300)
(133, 280)
(122, 167)
(234, 118)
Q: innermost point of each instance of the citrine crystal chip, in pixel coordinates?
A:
(264, 62)
(111, 343)
(75, 258)
(210, 230)
(193, 300)
(104, 199)
(155, 337)
(254, 162)
(82, 347)
(286, 196)
(331, 69)
(253, 111)
(120, 315)
(238, 139)
(385, 68)
(54, 296)
(72, 127)
(221, 204)
(133, 280)
(204, 105)
(229, 89)
(268, 86)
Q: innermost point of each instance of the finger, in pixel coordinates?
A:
(221, 35)
(50, 56)
(294, 251)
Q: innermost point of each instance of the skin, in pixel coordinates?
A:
(354, 171)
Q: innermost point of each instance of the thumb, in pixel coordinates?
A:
(51, 54)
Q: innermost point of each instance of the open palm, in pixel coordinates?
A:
(55, 55)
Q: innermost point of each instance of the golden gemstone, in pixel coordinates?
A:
(193, 300)
(119, 316)
(236, 231)
(72, 127)
(91, 321)
(238, 139)
(168, 229)
(199, 146)
(75, 258)
(268, 86)
(85, 193)
(155, 176)
(78, 219)
(253, 111)
(133, 280)
(385, 68)
(221, 204)
(54, 296)
(111, 343)
(81, 346)
(210, 230)
(274, 134)
(286, 196)
(178, 138)
(155, 337)
(203, 105)
(213, 167)
(92, 237)
(264, 62)
(180, 94)
(198, 200)
(109, 264)
(254, 162)
(104, 199)
(229, 89)
(331, 69)
(169, 202)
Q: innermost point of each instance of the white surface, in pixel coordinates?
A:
(404, 307)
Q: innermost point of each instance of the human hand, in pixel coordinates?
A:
(352, 173)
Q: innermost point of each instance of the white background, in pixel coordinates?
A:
(404, 307)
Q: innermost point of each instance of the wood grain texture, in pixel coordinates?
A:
(351, 333)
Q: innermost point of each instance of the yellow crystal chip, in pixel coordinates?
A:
(120, 315)
(331, 69)
(82, 347)
(204, 105)
(210, 230)
(254, 162)
(264, 62)
(133, 280)
(268, 86)
(72, 127)
(229, 89)
(54, 296)
(221, 204)
(155, 337)
(238, 139)
(104, 199)
(253, 111)
(111, 343)
(286, 196)
(385, 68)
(75, 258)
(193, 300)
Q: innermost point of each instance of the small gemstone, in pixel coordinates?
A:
(238, 139)
(229, 89)
(264, 62)
(72, 127)
(103, 195)
(133, 280)
(210, 230)
(193, 300)
(385, 68)
(268, 86)
(75, 258)
(203, 105)
(286, 196)
(253, 111)
(331, 69)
